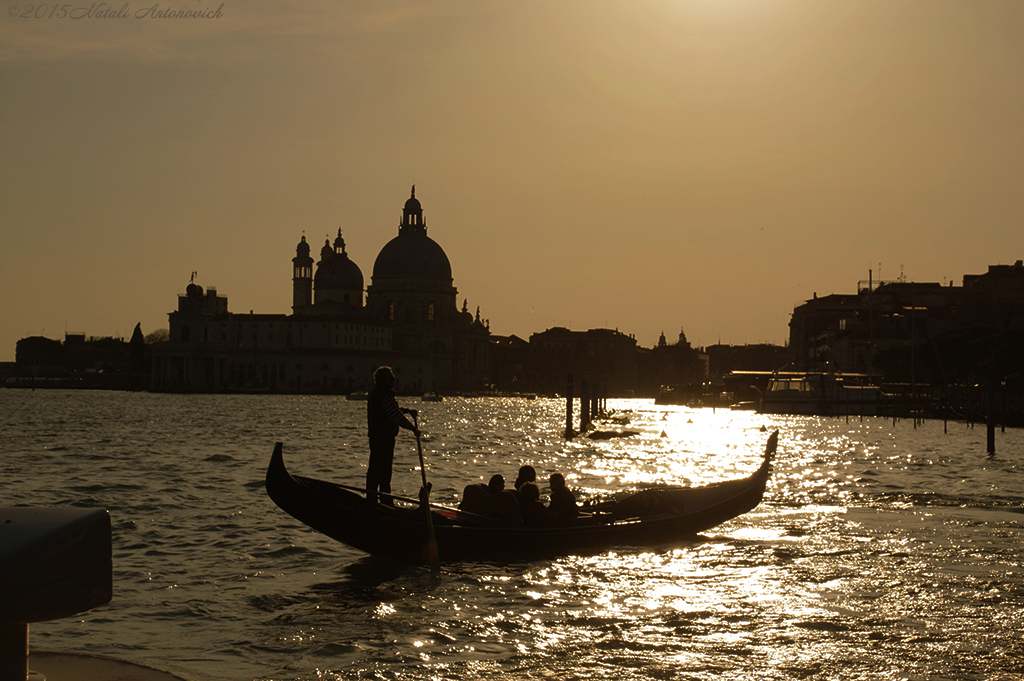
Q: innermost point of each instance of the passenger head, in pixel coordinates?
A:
(530, 491)
(496, 483)
(384, 376)
(526, 474)
(556, 481)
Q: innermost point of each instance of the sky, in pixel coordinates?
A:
(650, 166)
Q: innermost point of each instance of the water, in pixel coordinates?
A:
(881, 550)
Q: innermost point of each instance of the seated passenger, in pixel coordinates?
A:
(474, 498)
(526, 474)
(505, 505)
(535, 513)
(479, 498)
(563, 501)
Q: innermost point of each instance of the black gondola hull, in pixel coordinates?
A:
(402, 533)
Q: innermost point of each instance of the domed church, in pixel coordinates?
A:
(412, 285)
(332, 341)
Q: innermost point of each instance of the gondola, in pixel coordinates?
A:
(651, 517)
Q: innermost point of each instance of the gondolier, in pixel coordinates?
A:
(384, 418)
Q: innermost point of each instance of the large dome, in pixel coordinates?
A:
(412, 255)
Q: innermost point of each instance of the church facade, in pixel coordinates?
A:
(335, 335)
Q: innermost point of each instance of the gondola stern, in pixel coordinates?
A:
(764, 471)
(276, 468)
(278, 476)
(771, 446)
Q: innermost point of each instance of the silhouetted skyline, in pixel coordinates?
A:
(646, 166)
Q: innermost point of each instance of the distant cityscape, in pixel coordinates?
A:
(921, 334)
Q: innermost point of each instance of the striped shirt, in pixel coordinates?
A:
(383, 415)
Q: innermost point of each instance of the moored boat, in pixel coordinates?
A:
(821, 394)
(650, 517)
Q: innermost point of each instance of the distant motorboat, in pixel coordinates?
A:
(821, 394)
(431, 397)
(34, 382)
(358, 396)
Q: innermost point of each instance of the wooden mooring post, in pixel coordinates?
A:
(990, 417)
(592, 403)
(568, 407)
(585, 416)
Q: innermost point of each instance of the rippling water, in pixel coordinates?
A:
(881, 550)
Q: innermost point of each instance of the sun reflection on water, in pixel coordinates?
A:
(880, 551)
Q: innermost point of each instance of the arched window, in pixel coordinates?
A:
(391, 310)
(430, 311)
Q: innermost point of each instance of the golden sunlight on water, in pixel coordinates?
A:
(880, 550)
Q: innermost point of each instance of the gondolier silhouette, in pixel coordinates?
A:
(383, 420)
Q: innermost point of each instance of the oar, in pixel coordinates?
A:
(456, 513)
(435, 562)
(385, 495)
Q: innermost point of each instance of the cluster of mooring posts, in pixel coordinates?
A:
(922, 406)
(593, 403)
(993, 413)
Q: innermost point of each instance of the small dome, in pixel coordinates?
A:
(337, 273)
(193, 289)
(302, 250)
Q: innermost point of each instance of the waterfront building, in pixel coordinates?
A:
(332, 341)
(849, 332)
(80, 362)
(726, 359)
(604, 357)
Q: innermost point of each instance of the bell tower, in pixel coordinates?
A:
(302, 277)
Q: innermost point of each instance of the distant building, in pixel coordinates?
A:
(606, 358)
(811, 320)
(332, 341)
(847, 332)
(7, 370)
(678, 364)
(80, 362)
(725, 359)
(510, 361)
(602, 356)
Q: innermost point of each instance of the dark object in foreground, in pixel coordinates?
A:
(611, 434)
(648, 518)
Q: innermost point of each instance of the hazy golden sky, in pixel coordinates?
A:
(647, 165)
